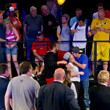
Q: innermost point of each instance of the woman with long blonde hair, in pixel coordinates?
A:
(11, 35)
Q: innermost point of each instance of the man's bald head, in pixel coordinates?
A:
(101, 14)
(59, 74)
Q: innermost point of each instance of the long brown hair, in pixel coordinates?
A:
(67, 77)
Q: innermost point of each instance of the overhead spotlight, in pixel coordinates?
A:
(61, 2)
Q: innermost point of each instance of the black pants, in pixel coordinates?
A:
(77, 85)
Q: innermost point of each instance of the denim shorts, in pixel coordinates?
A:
(12, 50)
(41, 56)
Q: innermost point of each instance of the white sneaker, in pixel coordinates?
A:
(39, 73)
(87, 109)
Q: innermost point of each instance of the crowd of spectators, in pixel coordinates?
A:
(69, 34)
(58, 59)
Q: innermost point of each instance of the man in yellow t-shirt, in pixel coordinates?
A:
(100, 28)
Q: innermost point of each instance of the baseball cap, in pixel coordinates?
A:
(66, 16)
(76, 50)
(11, 9)
(39, 33)
(66, 55)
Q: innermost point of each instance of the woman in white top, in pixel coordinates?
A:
(75, 74)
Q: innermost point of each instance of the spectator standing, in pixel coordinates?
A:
(80, 30)
(60, 97)
(49, 24)
(75, 74)
(78, 13)
(51, 63)
(100, 28)
(2, 38)
(23, 89)
(17, 25)
(100, 94)
(69, 83)
(63, 34)
(4, 80)
(14, 20)
(100, 6)
(81, 60)
(11, 35)
(33, 24)
(39, 50)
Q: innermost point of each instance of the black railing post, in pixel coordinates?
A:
(0, 53)
(95, 60)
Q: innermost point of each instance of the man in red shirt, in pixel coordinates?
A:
(40, 48)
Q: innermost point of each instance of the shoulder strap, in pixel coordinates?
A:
(86, 30)
(60, 28)
(76, 25)
(16, 18)
(9, 20)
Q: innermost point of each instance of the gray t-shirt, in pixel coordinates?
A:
(33, 25)
(24, 90)
(65, 36)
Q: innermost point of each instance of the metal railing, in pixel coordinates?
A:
(95, 50)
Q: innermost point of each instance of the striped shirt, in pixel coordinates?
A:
(10, 37)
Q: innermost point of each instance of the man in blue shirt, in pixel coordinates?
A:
(2, 38)
(78, 13)
(81, 60)
(74, 19)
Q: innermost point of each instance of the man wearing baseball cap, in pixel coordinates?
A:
(40, 48)
(63, 34)
(14, 20)
(81, 60)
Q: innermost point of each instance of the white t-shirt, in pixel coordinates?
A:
(75, 70)
(95, 15)
(80, 35)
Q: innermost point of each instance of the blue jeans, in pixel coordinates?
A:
(29, 45)
(85, 88)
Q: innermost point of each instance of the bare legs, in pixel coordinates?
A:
(40, 66)
(8, 56)
(105, 66)
(14, 57)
